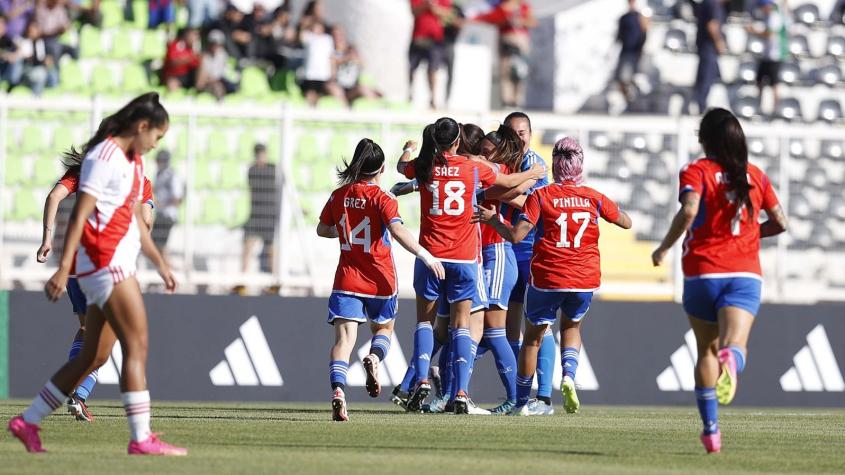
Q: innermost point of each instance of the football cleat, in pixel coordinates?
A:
(570, 397)
(27, 433)
(474, 410)
(534, 407)
(371, 367)
(712, 442)
(727, 382)
(77, 408)
(503, 408)
(417, 399)
(461, 403)
(437, 405)
(339, 413)
(154, 446)
(399, 397)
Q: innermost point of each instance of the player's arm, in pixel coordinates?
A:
(680, 224)
(716, 35)
(623, 220)
(536, 172)
(150, 250)
(326, 231)
(51, 207)
(406, 240)
(508, 195)
(405, 158)
(513, 234)
(405, 188)
(776, 224)
(147, 214)
(85, 204)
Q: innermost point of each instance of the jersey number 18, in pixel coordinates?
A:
(453, 205)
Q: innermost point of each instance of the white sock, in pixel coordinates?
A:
(137, 405)
(47, 400)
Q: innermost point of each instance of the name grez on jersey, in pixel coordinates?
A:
(356, 203)
(571, 202)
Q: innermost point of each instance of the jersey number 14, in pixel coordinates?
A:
(360, 235)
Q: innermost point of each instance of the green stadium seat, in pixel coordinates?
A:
(26, 206)
(135, 79)
(232, 176)
(141, 12)
(254, 83)
(246, 146)
(90, 42)
(102, 80)
(241, 211)
(47, 171)
(32, 139)
(323, 177)
(302, 178)
(62, 139)
(364, 104)
(112, 12)
(329, 102)
(217, 147)
(16, 172)
(154, 45)
(307, 149)
(71, 78)
(340, 147)
(213, 210)
(203, 176)
(122, 46)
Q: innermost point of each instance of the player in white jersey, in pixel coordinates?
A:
(104, 228)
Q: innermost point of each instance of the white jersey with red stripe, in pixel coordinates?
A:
(111, 238)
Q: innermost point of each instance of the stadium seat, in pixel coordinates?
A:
(241, 212)
(16, 172)
(232, 175)
(799, 46)
(836, 46)
(364, 104)
(830, 110)
(102, 79)
(747, 107)
(807, 14)
(755, 45)
(790, 73)
(32, 139)
(308, 149)
(830, 75)
(676, 41)
(203, 174)
(112, 11)
(329, 102)
(213, 210)
(789, 109)
(340, 147)
(63, 138)
(134, 79)
(217, 146)
(832, 149)
(254, 83)
(141, 12)
(47, 170)
(246, 146)
(797, 149)
(71, 78)
(26, 206)
(747, 72)
(90, 42)
(122, 46)
(154, 45)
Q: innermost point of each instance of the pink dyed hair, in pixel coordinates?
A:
(568, 161)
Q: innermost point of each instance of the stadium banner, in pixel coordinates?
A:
(215, 348)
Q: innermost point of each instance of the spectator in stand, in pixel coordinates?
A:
(348, 66)
(451, 31)
(162, 12)
(212, 73)
(182, 60)
(38, 66)
(238, 38)
(17, 13)
(775, 33)
(633, 27)
(278, 38)
(202, 13)
(514, 19)
(257, 23)
(314, 12)
(427, 41)
(710, 15)
(169, 191)
(11, 67)
(87, 14)
(263, 213)
(52, 19)
(319, 65)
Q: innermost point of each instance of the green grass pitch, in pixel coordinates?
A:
(300, 438)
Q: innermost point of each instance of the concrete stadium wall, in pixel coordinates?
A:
(211, 348)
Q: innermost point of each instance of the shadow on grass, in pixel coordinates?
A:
(323, 445)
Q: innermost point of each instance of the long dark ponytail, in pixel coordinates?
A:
(508, 147)
(723, 140)
(144, 107)
(471, 137)
(437, 138)
(367, 162)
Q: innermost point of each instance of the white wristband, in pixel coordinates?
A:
(425, 256)
(407, 150)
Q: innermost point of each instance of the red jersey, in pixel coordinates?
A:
(723, 241)
(361, 212)
(489, 235)
(503, 19)
(427, 25)
(566, 250)
(70, 180)
(188, 59)
(447, 206)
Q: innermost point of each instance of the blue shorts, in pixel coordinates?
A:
(541, 306)
(703, 298)
(523, 278)
(500, 273)
(463, 282)
(77, 298)
(359, 309)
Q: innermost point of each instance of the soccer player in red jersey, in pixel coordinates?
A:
(565, 267)
(448, 183)
(104, 226)
(362, 217)
(66, 186)
(721, 198)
